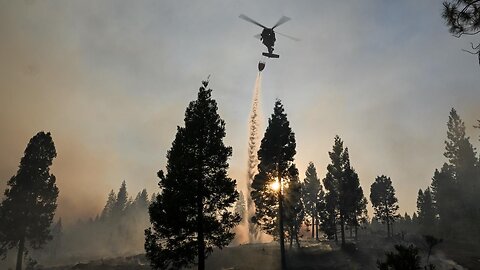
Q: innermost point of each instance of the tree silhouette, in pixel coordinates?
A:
(109, 206)
(121, 203)
(294, 209)
(331, 182)
(192, 213)
(431, 242)
(384, 202)
(30, 201)
(455, 187)
(276, 156)
(405, 258)
(352, 202)
(426, 211)
(312, 196)
(345, 203)
(141, 200)
(463, 18)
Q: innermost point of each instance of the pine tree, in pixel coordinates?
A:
(294, 209)
(331, 182)
(456, 186)
(455, 135)
(276, 156)
(344, 198)
(463, 18)
(192, 213)
(426, 211)
(30, 201)
(352, 203)
(311, 195)
(384, 202)
(141, 200)
(109, 205)
(122, 201)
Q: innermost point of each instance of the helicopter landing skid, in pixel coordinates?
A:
(270, 55)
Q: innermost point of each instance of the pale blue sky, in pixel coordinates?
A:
(111, 81)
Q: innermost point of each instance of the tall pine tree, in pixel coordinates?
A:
(426, 211)
(30, 201)
(331, 182)
(353, 204)
(456, 186)
(345, 203)
(276, 156)
(312, 195)
(384, 202)
(192, 213)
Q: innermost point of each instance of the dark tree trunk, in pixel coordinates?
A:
(291, 237)
(317, 226)
(201, 240)
(313, 226)
(342, 230)
(391, 229)
(356, 232)
(296, 237)
(282, 242)
(351, 231)
(21, 247)
(388, 228)
(335, 227)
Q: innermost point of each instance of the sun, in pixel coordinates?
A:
(275, 185)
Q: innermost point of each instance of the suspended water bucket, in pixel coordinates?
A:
(261, 65)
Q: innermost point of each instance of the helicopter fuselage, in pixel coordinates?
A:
(268, 38)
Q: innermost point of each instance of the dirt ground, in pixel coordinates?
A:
(313, 255)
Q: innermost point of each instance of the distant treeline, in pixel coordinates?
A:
(116, 231)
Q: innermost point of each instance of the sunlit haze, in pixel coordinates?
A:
(111, 80)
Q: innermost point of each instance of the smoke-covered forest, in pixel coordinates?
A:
(282, 210)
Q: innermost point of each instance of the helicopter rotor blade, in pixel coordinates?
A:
(282, 20)
(251, 20)
(287, 36)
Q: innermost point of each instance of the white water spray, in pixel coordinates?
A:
(253, 146)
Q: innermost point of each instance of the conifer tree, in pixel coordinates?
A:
(192, 213)
(331, 182)
(30, 200)
(384, 202)
(352, 202)
(463, 18)
(294, 209)
(141, 200)
(344, 198)
(122, 201)
(109, 205)
(275, 169)
(312, 192)
(426, 211)
(456, 186)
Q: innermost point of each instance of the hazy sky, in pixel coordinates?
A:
(111, 80)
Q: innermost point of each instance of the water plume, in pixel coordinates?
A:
(253, 146)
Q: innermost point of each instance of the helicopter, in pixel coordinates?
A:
(268, 34)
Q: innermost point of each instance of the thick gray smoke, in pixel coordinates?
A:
(253, 146)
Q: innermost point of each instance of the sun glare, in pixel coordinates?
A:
(275, 186)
